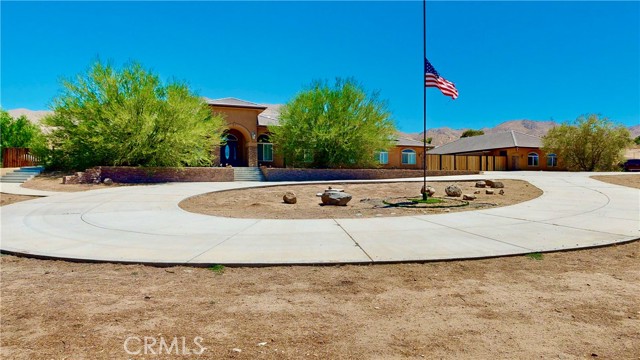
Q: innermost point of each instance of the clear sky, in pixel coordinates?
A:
(509, 60)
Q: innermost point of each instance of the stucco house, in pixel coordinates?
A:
(522, 151)
(248, 142)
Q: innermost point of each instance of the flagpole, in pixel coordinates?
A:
(424, 102)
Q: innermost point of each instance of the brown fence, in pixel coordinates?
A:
(466, 162)
(17, 157)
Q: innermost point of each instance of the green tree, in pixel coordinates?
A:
(591, 143)
(471, 132)
(129, 117)
(333, 126)
(18, 132)
(637, 140)
(21, 133)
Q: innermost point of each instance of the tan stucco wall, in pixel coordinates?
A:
(520, 156)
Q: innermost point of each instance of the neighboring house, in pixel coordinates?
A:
(522, 151)
(248, 142)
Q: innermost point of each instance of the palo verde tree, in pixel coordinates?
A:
(471, 132)
(591, 143)
(333, 126)
(128, 116)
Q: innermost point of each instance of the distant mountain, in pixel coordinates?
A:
(445, 135)
(635, 131)
(35, 116)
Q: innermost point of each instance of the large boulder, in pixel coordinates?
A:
(335, 198)
(453, 190)
(289, 198)
(494, 184)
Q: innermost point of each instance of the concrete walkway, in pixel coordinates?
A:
(144, 224)
(16, 189)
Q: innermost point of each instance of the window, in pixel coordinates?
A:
(265, 149)
(382, 157)
(408, 157)
(552, 160)
(532, 159)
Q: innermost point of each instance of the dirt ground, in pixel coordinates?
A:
(630, 180)
(6, 199)
(267, 202)
(579, 304)
(52, 181)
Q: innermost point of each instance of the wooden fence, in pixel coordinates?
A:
(17, 157)
(466, 162)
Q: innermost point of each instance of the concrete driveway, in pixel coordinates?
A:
(143, 224)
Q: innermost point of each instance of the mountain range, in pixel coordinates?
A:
(440, 136)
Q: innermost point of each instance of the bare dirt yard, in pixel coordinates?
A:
(630, 180)
(579, 304)
(367, 200)
(6, 199)
(52, 181)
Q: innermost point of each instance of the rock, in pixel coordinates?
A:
(501, 192)
(489, 192)
(477, 192)
(319, 194)
(468, 197)
(236, 350)
(481, 184)
(262, 343)
(430, 190)
(494, 184)
(107, 181)
(289, 198)
(453, 190)
(335, 198)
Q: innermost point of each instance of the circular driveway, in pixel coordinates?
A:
(143, 224)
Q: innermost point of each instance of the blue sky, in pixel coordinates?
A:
(509, 60)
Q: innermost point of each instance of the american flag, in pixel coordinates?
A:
(433, 79)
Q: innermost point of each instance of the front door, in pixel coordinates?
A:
(514, 162)
(229, 154)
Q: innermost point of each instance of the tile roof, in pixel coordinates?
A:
(402, 141)
(233, 102)
(507, 139)
(270, 116)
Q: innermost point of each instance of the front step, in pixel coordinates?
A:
(247, 174)
(21, 175)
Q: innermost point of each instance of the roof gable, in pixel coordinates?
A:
(233, 102)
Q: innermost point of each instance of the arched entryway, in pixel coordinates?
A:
(233, 151)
